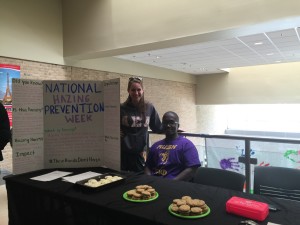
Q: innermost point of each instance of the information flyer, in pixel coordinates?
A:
(68, 123)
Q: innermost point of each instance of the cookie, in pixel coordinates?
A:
(186, 198)
(198, 202)
(152, 192)
(195, 211)
(136, 196)
(140, 187)
(176, 200)
(204, 208)
(184, 210)
(181, 202)
(130, 193)
(146, 195)
(174, 208)
(140, 190)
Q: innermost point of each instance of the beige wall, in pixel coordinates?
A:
(268, 84)
(269, 87)
(31, 30)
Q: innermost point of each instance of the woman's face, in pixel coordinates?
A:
(136, 92)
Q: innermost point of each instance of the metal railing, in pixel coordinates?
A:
(246, 159)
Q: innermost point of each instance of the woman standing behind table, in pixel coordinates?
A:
(136, 116)
(5, 134)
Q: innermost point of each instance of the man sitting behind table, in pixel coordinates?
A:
(174, 157)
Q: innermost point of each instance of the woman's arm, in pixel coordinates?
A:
(155, 122)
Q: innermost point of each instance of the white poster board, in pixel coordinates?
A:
(112, 124)
(28, 130)
(77, 131)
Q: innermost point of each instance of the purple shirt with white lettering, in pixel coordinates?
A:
(169, 158)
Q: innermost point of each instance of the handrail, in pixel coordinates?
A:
(241, 137)
(247, 139)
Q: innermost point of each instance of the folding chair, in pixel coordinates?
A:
(277, 182)
(220, 178)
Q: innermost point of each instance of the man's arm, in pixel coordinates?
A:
(187, 174)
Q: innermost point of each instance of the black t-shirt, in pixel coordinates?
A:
(5, 134)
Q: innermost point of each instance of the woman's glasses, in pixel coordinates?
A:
(135, 78)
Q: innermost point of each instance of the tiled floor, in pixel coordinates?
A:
(3, 199)
(3, 206)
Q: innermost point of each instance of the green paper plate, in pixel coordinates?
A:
(133, 200)
(189, 217)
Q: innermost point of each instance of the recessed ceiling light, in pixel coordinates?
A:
(270, 53)
(226, 69)
(157, 57)
(258, 43)
(278, 61)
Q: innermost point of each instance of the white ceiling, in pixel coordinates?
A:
(280, 46)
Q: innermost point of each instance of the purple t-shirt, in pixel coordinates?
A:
(169, 158)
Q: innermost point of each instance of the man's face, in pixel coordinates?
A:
(170, 124)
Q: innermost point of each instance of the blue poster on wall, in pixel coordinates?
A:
(7, 73)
